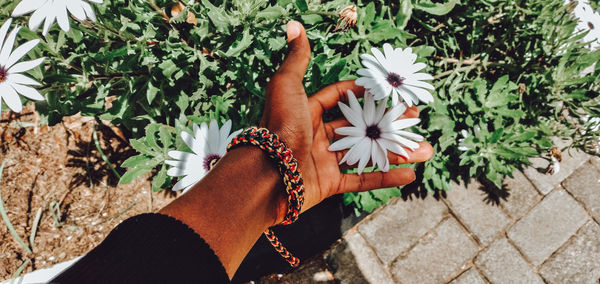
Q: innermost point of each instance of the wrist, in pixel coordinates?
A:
(268, 189)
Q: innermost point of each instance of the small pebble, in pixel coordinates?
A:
(104, 214)
(52, 258)
(69, 238)
(62, 255)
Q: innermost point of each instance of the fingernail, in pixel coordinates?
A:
(293, 30)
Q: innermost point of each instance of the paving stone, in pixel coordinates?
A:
(437, 256)
(571, 160)
(485, 220)
(399, 225)
(522, 195)
(595, 161)
(548, 226)
(353, 261)
(470, 276)
(584, 184)
(502, 263)
(578, 261)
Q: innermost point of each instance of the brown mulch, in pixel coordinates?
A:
(60, 164)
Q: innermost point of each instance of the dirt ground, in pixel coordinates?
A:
(58, 170)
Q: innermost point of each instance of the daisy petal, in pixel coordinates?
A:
(422, 94)
(4, 30)
(11, 98)
(76, 10)
(344, 143)
(38, 17)
(354, 118)
(369, 109)
(224, 132)
(28, 92)
(186, 181)
(20, 52)
(25, 66)
(8, 44)
(417, 83)
(385, 166)
(213, 137)
(21, 79)
(60, 10)
(405, 123)
(410, 135)
(350, 131)
(393, 147)
(89, 11)
(26, 7)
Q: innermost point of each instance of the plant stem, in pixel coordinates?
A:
(118, 213)
(104, 157)
(10, 227)
(19, 270)
(322, 13)
(34, 226)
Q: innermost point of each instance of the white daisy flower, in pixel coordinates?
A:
(55, 10)
(373, 132)
(588, 21)
(208, 144)
(395, 73)
(12, 82)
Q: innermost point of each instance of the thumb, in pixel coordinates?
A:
(298, 56)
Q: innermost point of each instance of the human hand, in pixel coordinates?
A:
(298, 120)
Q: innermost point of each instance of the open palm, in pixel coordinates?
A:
(298, 120)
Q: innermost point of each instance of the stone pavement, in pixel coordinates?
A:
(547, 230)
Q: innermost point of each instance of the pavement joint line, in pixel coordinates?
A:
(525, 258)
(464, 268)
(563, 186)
(414, 244)
(485, 277)
(568, 242)
(534, 186)
(377, 258)
(539, 194)
(462, 225)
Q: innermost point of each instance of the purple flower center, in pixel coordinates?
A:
(395, 80)
(3, 74)
(210, 161)
(373, 132)
(591, 25)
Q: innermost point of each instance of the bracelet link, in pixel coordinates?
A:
(287, 165)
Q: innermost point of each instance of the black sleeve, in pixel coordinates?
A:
(148, 248)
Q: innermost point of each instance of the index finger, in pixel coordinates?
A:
(329, 96)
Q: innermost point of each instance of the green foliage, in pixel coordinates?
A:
(510, 68)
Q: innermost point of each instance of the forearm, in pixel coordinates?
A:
(232, 205)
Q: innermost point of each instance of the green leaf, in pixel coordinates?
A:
(272, 12)
(333, 74)
(135, 160)
(404, 13)
(438, 9)
(302, 5)
(311, 19)
(151, 92)
(369, 14)
(133, 173)
(159, 179)
(240, 45)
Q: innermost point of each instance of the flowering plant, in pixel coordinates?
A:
(505, 75)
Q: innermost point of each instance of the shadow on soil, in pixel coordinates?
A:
(88, 158)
